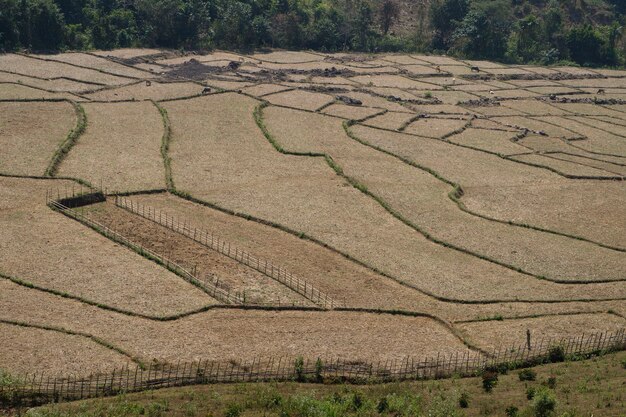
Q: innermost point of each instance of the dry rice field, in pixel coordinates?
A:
(368, 207)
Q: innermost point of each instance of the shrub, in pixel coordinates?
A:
(490, 380)
(551, 382)
(512, 411)
(527, 375)
(544, 403)
(383, 405)
(530, 393)
(233, 410)
(556, 354)
(624, 363)
(319, 367)
(299, 368)
(464, 400)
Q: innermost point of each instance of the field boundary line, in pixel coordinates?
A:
(72, 138)
(210, 241)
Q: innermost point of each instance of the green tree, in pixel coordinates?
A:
(445, 16)
(389, 13)
(113, 30)
(588, 45)
(235, 27)
(362, 26)
(174, 23)
(483, 33)
(9, 30)
(40, 24)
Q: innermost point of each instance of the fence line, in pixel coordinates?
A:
(207, 286)
(37, 388)
(225, 248)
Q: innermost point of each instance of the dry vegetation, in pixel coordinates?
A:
(120, 147)
(389, 182)
(30, 133)
(79, 261)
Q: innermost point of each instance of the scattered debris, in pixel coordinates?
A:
(349, 101)
(481, 102)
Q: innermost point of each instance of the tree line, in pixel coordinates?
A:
(513, 31)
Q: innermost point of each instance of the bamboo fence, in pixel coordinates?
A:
(213, 242)
(39, 388)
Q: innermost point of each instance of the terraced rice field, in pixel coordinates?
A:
(368, 208)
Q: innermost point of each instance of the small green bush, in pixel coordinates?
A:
(233, 410)
(383, 405)
(624, 363)
(544, 403)
(299, 368)
(490, 380)
(530, 393)
(464, 400)
(319, 368)
(527, 375)
(512, 411)
(551, 382)
(556, 354)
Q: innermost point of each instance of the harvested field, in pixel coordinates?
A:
(300, 99)
(30, 134)
(591, 210)
(401, 180)
(350, 112)
(435, 128)
(515, 197)
(435, 205)
(260, 90)
(54, 353)
(56, 85)
(120, 147)
(241, 335)
(334, 274)
(127, 53)
(392, 81)
(537, 126)
(390, 120)
(140, 91)
(596, 140)
(489, 140)
(97, 63)
(67, 262)
(12, 92)
(569, 168)
(47, 69)
(206, 264)
(496, 334)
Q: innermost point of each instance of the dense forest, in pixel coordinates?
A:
(586, 32)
